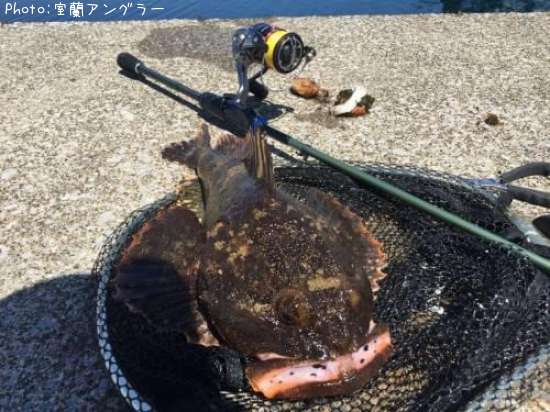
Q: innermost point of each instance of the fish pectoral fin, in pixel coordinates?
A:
(154, 289)
(173, 235)
(352, 234)
(156, 276)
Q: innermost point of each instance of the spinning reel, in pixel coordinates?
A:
(272, 48)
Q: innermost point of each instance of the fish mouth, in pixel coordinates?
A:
(279, 377)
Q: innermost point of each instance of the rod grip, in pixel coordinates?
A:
(128, 62)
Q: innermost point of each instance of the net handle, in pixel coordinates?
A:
(523, 194)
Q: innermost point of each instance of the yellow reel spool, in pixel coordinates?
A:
(284, 50)
(271, 43)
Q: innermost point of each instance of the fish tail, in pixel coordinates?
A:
(187, 152)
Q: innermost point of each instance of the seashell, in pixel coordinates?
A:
(304, 87)
(353, 102)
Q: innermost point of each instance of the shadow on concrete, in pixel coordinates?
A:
(49, 355)
(265, 108)
(207, 42)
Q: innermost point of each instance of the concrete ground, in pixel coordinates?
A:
(80, 147)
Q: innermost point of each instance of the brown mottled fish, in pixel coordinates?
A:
(287, 283)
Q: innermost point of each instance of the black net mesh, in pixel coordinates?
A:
(464, 315)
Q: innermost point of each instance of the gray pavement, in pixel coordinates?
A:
(80, 147)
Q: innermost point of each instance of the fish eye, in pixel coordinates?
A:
(292, 308)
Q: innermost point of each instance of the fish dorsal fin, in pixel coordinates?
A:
(352, 233)
(261, 163)
(234, 147)
(252, 150)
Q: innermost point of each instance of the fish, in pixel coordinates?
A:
(290, 284)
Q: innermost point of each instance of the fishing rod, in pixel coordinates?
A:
(282, 51)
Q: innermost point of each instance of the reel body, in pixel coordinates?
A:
(272, 48)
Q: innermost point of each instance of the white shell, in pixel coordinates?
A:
(358, 93)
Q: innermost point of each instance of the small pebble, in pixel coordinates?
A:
(491, 119)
